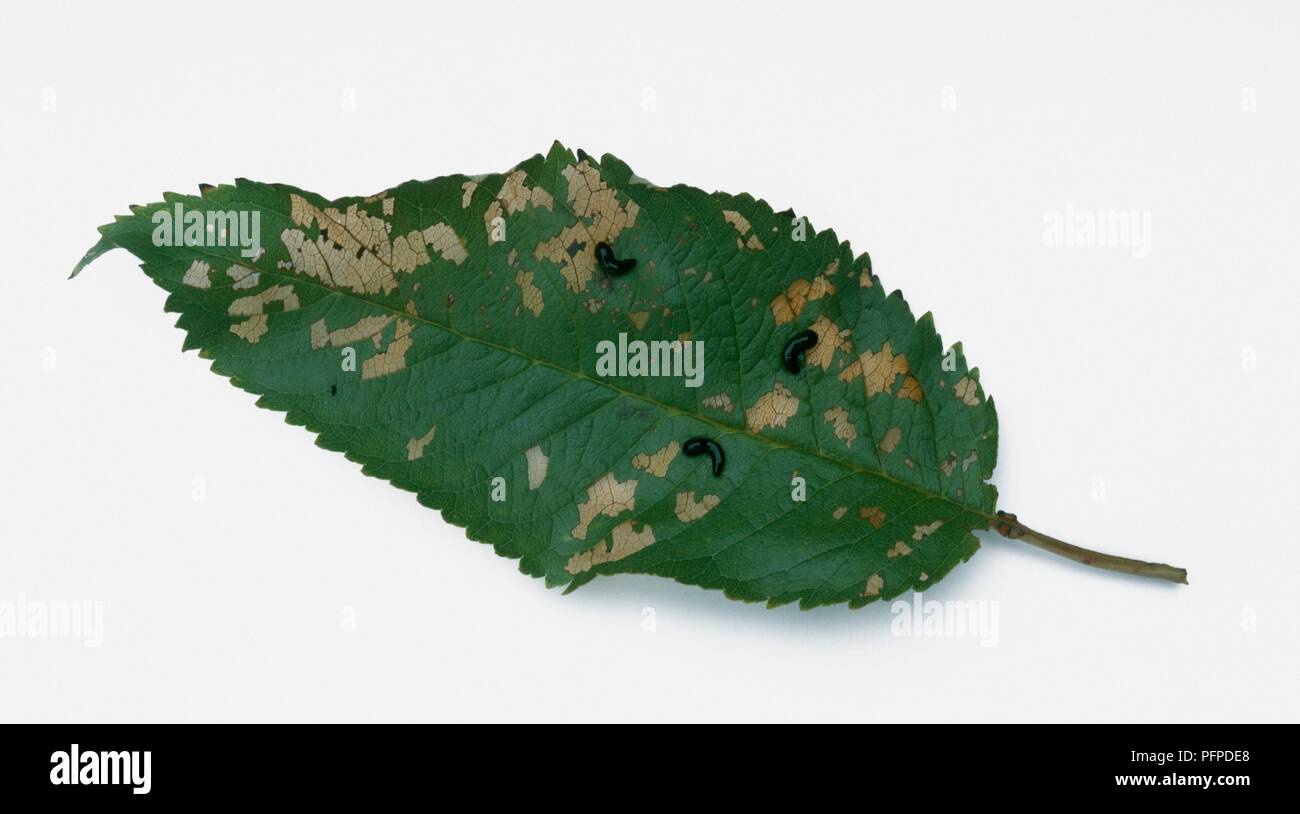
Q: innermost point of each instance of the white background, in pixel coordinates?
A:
(936, 136)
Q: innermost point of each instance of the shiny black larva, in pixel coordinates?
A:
(799, 344)
(700, 445)
(611, 264)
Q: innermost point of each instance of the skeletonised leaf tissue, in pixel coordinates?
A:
(598, 375)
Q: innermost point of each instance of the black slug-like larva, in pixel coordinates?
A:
(699, 445)
(611, 264)
(798, 345)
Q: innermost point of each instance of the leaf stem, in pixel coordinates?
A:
(1008, 526)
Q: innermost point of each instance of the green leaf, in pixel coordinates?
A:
(473, 310)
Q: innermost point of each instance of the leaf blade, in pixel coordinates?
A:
(458, 334)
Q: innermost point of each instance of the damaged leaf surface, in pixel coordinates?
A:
(472, 309)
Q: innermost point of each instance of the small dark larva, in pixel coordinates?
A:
(798, 345)
(699, 445)
(612, 265)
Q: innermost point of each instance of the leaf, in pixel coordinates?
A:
(476, 358)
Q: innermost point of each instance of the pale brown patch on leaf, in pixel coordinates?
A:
(910, 389)
(948, 464)
(364, 328)
(626, 543)
(737, 220)
(352, 251)
(878, 370)
(657, 463)
(532, 294)
(442, 239)
(718, 401)
(254, 308)
(839, 512)
(844, 429)
(515, 194)
(772, 409)
(829, 338)
(252, 329)
(393, 358)
(607, 496)
(742, 225)
(688, 509)
(873, 586)
(196, 276)
(789, 304)
(892, 436)
(537, 466)
(969, 460)
(468, 187)
(639, 319)
(415, 446)
(873, 515)
(491, 214)
(242, 277)
(966, 390)
(921, 532)
(409, 252)
(900, 549)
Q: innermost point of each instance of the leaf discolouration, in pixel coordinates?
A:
(196, 276)
(364, 328)
(838, 417)
(253, 307)
(889, 441)
(923, 531)
(873, 585)
(877, 370)
(773, 409)
(606, 496)
(789, 304)
(900, 549)
(657, 463)
(532, 295)
(538, 463)
(415, 446)
(747, 239)
(627, 541)
(688, 509)
(718, 401)
(829, 339)
(392, 358)
(966, 390)
(873, 515)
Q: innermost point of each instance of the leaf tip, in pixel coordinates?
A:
(92, 254)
